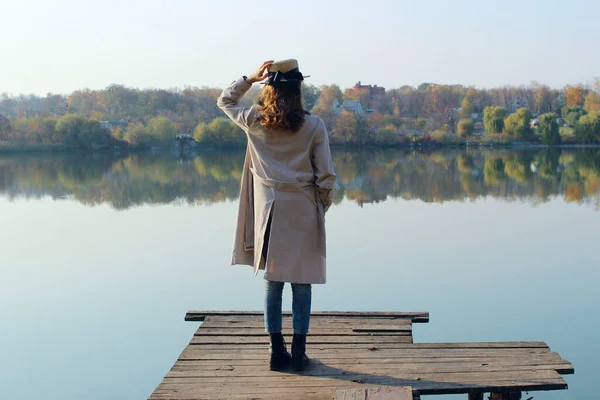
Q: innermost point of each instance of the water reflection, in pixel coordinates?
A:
(372, 176)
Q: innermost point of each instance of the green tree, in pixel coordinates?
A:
(493, 119)
(588, 129)
(162, 129)
(465, 127)
(137, 135)
(311, 94)
(518, 125)
(76, 130)
(70, 130)
(5, 128)
(221, 131)
(386, 136)
(572, 114)
(548, 129)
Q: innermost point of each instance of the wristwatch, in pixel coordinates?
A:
(245, 78)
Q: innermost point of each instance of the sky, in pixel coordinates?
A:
(64, 45)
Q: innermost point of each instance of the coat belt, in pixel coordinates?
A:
(283, 186)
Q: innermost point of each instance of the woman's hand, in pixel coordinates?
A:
(260, 74)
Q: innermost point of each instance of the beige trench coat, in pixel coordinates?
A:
(290, 177)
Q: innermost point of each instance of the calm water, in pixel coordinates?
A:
(101, 256)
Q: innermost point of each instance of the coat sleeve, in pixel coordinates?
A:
(323, 166)
(229, 102)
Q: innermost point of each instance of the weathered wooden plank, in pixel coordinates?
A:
(247, 321)
(405, 362)
(195, 315)
(385, 377)
(423, 384)
(366, 352)
(311, 339)
(183, 369)
(351, 394)
(315, 332)
(532, 346)
(259, 321)
(379, 393)
(373, 324)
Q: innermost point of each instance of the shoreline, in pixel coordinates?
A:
(49, 149)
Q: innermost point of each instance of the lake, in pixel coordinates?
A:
(103, 254)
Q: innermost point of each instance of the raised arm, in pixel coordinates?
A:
(323, 166)
(229, 100)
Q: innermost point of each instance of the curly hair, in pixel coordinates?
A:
(282, 107)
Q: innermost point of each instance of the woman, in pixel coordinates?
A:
(287, 186)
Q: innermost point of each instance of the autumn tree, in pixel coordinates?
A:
(324, 108)
(361, 95)
(548, 129)
(470, 103)
(350, 128)
(575, 96)
(592, 102)
(542, 98)
(493, 119)
(329, 95)
(518, 125)
(465, 127)
(394, 120)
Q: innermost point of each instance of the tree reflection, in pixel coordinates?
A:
(364, 176)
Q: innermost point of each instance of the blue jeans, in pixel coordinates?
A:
(301, 299)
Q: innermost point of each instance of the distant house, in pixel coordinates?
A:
(353, 106)
(534, 123)
(373, 91)
(110, 125)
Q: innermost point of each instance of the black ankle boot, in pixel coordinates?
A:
(280, 357)
(299, 358)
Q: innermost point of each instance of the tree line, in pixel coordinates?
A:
(429, 112)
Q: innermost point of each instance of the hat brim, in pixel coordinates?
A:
(285, 80)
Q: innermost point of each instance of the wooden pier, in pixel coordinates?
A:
(355, 355)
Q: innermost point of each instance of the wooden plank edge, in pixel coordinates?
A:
(419, 317)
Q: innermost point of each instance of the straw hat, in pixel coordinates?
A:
(284, 71)
(283, 65)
